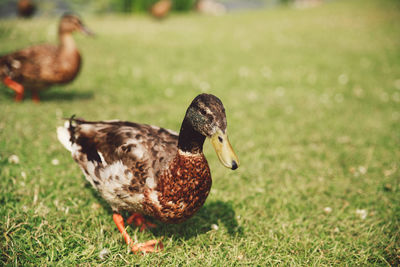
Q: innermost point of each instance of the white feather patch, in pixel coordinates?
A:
(110, 185)
(86, 128)
(64, 137)
(154, 198)
(188, 154)
(90, 167)
(138, 150)
(117, 168)
(101, 157)
(150, 182)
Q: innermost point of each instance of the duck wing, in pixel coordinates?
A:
(30, 65)
(118, 157)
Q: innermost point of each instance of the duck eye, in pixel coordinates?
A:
(220, 139)
(203, 112)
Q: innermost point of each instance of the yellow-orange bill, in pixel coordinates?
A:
(224, 150)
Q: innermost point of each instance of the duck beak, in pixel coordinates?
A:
(224, 150)
(85, 30)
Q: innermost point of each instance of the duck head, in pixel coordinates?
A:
(70, 23)
(206, 116)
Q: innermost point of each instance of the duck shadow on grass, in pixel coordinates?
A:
(213, 212)
(52, 95)
(58, 95)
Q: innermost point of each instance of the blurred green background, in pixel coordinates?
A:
(127, 6)
(312, 97)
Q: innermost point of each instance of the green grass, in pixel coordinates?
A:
(313, 106)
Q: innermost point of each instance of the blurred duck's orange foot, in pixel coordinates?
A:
(139, 220)
(16, 87)
(149, 246)
(35, 97)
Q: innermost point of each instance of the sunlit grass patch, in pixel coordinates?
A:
(312, 100)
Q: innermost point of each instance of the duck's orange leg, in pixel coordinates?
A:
(139, 220)
(149, 246)
(18, 88)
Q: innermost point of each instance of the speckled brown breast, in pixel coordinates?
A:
(181, 190)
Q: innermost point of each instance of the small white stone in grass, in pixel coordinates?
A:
(280, 91)
(136, 72)
(362, 169)
(266, 72)
(104, 253)
(204, 86)
(14, 159)
(169, 92)
(397, 84)
(214, 227)
(343, 79)
(243, 71)
(389, 172)
(358, 91)
(396, 97)
(252, 96)
(95, 206)
(55, 162)
(336, 230)
(362, 213)
(259, 190)
(327, 210)
(178, 78)
(23, 174)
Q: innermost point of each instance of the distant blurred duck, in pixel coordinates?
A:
(149, 170)
(161, 8)
(26, 8)
(38, 67)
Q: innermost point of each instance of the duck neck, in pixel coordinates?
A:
(67, 43)
(190, 141)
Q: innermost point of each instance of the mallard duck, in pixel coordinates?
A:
(26, 8)
(38, 67)
(161, 8)
(148, 170)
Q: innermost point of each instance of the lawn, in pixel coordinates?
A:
(313, 107)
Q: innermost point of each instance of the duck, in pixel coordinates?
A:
(36, 68)
(26, 8)
(161, 9)
(146, 170)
